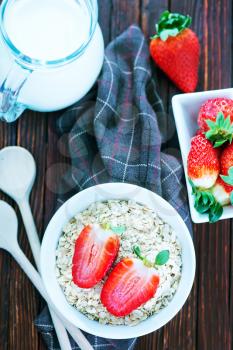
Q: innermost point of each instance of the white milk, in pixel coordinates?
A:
(47, 29)
(50, 30)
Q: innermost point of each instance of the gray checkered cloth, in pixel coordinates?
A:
(115, 134)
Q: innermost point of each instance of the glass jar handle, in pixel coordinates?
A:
(10, 108)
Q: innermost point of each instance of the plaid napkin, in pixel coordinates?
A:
(115, 134)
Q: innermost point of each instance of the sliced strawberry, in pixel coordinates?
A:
(128, 286)
(203, 162)
(95, 251)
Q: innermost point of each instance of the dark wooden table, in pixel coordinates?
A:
(206, 320)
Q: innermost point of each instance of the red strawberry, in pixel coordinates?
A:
(224, 185)
(199, 132)
(203, 163)
(129, 285)
(95, 251)
(176, 50)
(215, 118)
(221, 192)
(226, 160)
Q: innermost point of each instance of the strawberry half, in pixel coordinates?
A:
(203, 162)
(215, 119)
(95, 251)
(176, 50)
(129, 285)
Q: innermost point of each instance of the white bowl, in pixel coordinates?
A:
(78, 203)
(185, 109)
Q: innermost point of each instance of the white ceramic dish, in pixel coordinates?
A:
(186, 108)
(78, 203)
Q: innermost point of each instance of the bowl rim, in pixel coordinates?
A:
(116, 331)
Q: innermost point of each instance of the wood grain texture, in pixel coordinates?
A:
(124, 13)
(206, 320)
(31, 134)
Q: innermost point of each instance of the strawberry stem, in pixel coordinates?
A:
(220, 131)
(171, 24)
(161, 258)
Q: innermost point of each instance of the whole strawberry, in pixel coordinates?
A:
(203, 163)
(223, 189)
(226, 160)
(175, 49)
(215, 119)
(221, 192)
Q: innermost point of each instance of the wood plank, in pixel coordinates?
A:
(56, 165)
(124, 13)
(150, 12)
(180, 333)
(105, 15)
(24, 301)
(7, 137)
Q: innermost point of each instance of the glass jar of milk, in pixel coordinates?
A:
(51, 52)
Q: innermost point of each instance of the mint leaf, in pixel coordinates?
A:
(162, 257)
(119, 230)
(137, 251)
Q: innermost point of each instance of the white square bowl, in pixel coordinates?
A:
(185, 109)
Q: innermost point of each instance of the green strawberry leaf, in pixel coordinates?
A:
(119, 230)
(215, 212)
(168, 32)
(220, 131)
(162, 257)
(231, 197)
(230, 171)
(171, 24)
(205, 202)
(192, 185)
(211, 124)
(219, 143)
(228, 179)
